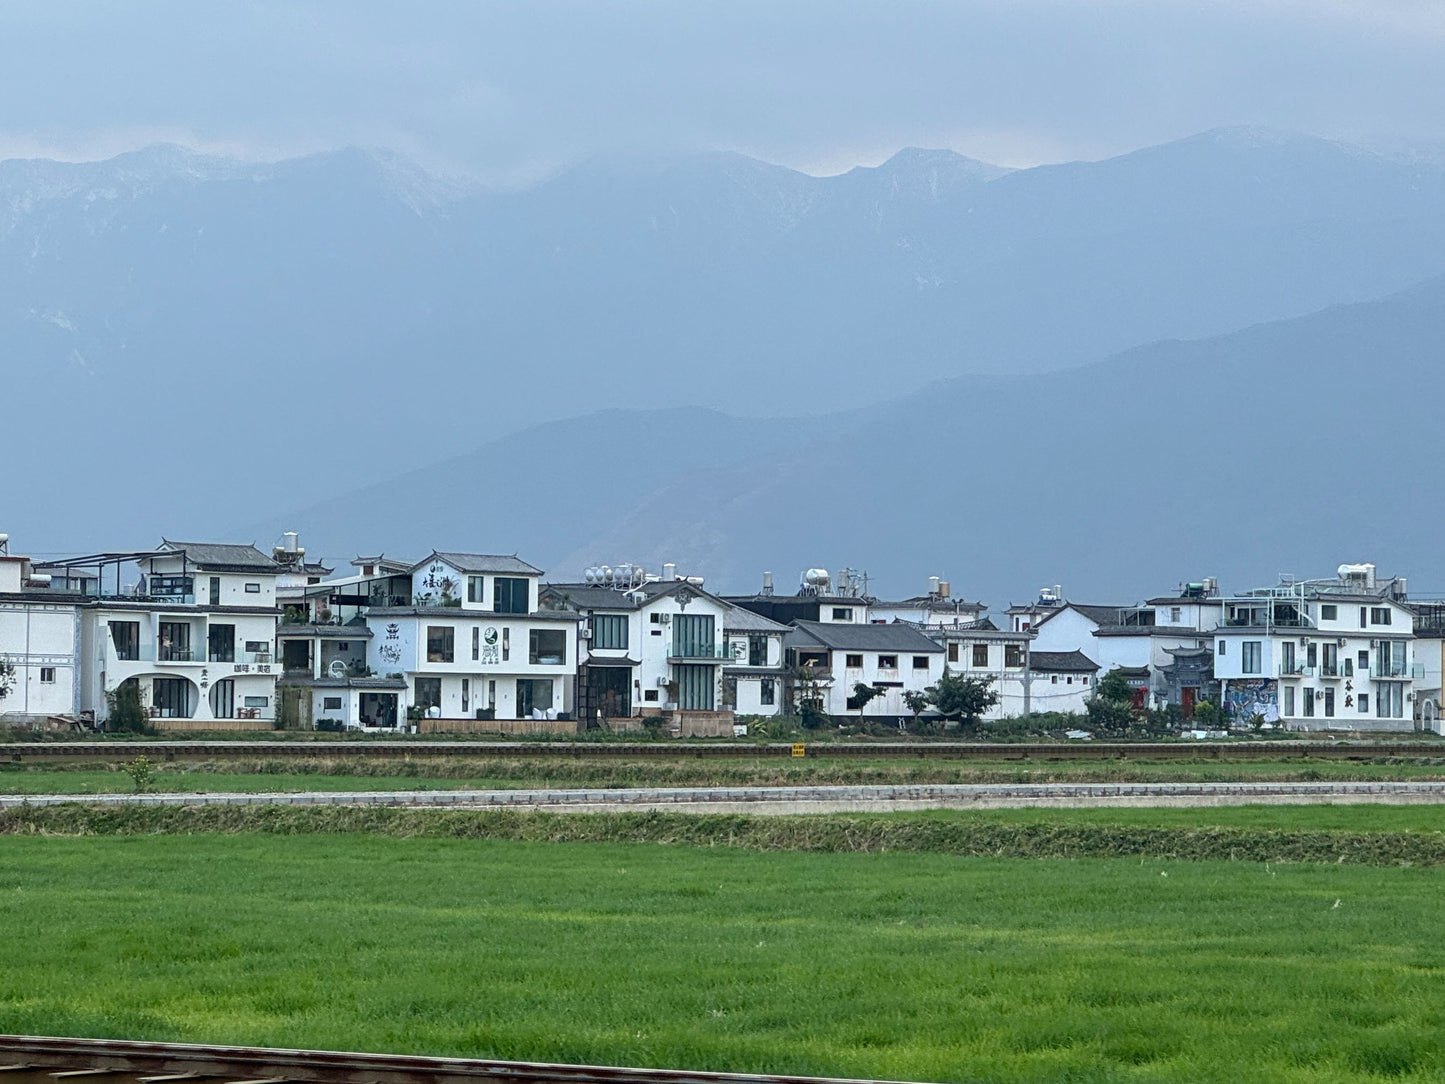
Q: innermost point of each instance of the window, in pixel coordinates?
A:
(1069, 681)
(888, 662)
(125, 638)
(534, 696)
(1329, 703)
(766, 693)
(609, 632)
(466, 695)
(649, 695)
(1364, 703)
(173, 644)
(506, 645)
(476, 589)
(1053, 679)
(1013, 655)
(221, 643)
(440, 643)
(980, 655)
(757, 649)
(428, 693)
(1363, 661)
(215, 590)
(854, 662)
(509, 595)
(476, 642)
(1253, 657)
(258, 647)
(547, 647)
(47, 675)
(331, 703)
(953, 652)
(1328, 612)
(1175, 614)
(1286, 657)
(257, 701)
(1379, 615)
(1363, 612)
(1085, 679)
(170, 587)
(252, 589)
(1289, 700)
(1329, 660)
(1308, 697)
(656, 619)
(1222, 644)
(842, 613)
(920, 662)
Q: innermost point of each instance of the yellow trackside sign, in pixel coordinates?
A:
(799, 749)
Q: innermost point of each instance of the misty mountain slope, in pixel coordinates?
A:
(242, 338)
(1288, 447)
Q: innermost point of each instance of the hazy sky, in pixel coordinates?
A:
(510, 89)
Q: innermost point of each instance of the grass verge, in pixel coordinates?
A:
(975, 835)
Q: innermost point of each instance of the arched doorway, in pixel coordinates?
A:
(173, 698)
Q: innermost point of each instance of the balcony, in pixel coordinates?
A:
(1295, 670)
(699, 652)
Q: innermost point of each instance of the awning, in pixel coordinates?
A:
(612, 663)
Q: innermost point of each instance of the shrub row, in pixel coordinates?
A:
(798, 833)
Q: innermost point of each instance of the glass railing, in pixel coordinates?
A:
(700, 651)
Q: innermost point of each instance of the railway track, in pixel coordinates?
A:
(1042, 751)
(30, 1059)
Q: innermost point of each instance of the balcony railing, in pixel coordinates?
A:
(700, 651)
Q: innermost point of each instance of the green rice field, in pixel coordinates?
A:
(920, 966)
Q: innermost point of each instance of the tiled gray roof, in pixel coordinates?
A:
(1061, 662)
(222, 555)
(739, 619)
(588, 596)
(847, 637)
(504, 564)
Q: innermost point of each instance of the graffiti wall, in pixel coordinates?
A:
(1245, 699)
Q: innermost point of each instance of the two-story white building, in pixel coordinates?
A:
(1328, 654)
(473, 642)
(892, 659)
(39, 643)
(192, 624)
(937, 608)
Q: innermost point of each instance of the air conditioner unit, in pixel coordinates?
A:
(667, 619)
(662, 682)
(1340, 642)
(586, 634)
(1304, 641)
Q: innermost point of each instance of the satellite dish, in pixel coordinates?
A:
(337, 668)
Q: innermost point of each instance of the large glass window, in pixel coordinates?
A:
(534, 697)
(221, 643)
(547, 647)
(766, 692)
(173, 641)
(428, 693)
(692, 636)
(757, 649)
(1252, 657)
(609, 632)
(440, 643)
(509, 595)
(980, 656)
(125, 635)
(1013, 655)
(476, 589)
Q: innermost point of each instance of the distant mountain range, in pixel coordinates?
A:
(194, 343)
(1288, 447)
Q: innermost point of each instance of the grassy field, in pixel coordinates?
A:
(397, 773)
(911, 966)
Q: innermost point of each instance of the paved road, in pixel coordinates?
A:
(830, 799)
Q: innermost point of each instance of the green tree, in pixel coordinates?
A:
(916, 701)
(863, 695)
(1114, 687)
(127, 714)
(963, 698)
(7, 678)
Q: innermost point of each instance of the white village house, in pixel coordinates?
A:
(1328, 654)
(39, 643)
